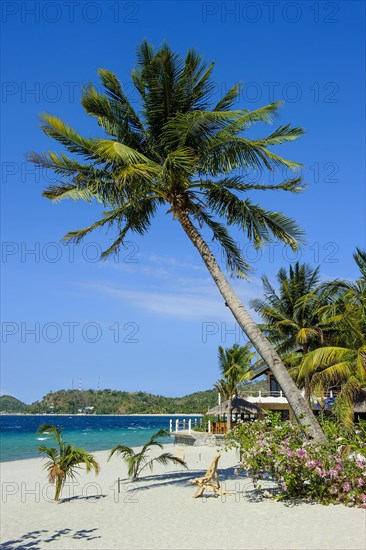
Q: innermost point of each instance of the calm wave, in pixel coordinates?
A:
(19, 440)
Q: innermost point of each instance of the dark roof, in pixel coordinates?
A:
(259, 368)
(238, 405)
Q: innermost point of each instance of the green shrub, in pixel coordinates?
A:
(330, 473)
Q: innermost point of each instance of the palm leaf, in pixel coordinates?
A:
(123, 451)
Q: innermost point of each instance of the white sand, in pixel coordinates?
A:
(159, 512)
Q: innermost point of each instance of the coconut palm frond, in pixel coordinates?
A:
(137, 462)
(259, 224)
(65, 460)
(160, 151)
(122, 450)
(235, 262)
(53, 430)
(153, 440)
(229, 99)
(325, 357)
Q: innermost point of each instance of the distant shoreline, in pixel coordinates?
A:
(95, 415)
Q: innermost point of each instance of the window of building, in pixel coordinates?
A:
(274, 386)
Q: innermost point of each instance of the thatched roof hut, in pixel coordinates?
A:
(238, 406)
(360, 402)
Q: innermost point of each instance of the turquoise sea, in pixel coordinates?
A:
(19, 440)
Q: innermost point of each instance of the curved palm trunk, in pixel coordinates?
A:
(307, 388)
(298, 404)
(307, 381)
(59, 481)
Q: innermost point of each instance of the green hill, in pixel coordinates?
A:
(114, 402)
(9, 404)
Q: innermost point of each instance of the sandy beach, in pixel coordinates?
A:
(159, 512)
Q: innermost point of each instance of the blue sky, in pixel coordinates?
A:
(152, 320)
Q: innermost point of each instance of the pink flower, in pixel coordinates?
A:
(284, 487)
(347, 487)
(269, 453)
(363, 497)
(301, 453)
(361, 482)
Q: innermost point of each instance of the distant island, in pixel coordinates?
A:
(115, 402)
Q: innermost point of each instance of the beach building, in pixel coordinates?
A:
(248, 406)
(273, 398)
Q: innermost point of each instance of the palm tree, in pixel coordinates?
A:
(235, 367)
(182, 151)
(136, 462)
(343, 363)
(65, 460)
(293, 315)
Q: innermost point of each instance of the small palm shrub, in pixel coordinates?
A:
(64, 461)
(136, 462)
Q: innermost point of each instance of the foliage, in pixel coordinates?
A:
(137, 462)
(121, 402)
(319, 330)
(342, 361)
(65, 460)
(235, 367)
(9, 404)
(277, 450)
(293, 315)
(178, 148)
(252, 387)
(343, 439)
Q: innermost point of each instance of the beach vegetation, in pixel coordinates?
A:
(293, 315)
(235, 367)
(180, 152)
(137, 461)
(341, 361)
(63, 462)
(9, 404)
(319, 329)
(283, 463)
(122, 402)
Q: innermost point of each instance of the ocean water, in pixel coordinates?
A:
(19, 439)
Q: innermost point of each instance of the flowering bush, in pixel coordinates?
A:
(301, 468)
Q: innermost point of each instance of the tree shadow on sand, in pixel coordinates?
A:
(35, 540)
(230, 482)
(90, 498)
(240, 487)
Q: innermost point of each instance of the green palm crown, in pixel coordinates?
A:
(177, 149)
